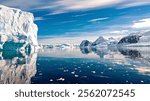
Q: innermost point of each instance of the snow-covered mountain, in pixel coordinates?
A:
(130, 39)
(85, 43)
(17, 26)
(136, 39)
(100, 42)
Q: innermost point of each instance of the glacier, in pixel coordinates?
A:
(17, 26)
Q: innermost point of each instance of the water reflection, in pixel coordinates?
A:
(16, 67)
(77, 65)
(93, 65)
(137, 57)
(131, 53)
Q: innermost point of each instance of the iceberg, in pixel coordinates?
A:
(17, 27)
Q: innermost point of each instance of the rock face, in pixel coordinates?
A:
(140, 39)
(85, 43)
(17, 26)
(129, 39)
(136, 39)
(98, 43)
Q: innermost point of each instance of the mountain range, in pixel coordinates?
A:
(133, 39)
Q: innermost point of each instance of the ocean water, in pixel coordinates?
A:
(77, 66)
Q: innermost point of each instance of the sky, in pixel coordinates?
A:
(80, 18)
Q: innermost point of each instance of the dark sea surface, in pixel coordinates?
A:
(77, 66)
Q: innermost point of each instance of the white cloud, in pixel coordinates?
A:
(39, 18)
(134, 3)
(75, 40)
(64, 22)
(144, 23)
(119, 31)
(57, 12)
(86, 4)
(63, 6)
(80, 15)
(62, 40)
(22, 4)
(74, 5)
(98, 19)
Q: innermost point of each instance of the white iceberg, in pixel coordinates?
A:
(17, 26)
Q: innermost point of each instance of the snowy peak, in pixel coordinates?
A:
(99, 41)
(133, 39)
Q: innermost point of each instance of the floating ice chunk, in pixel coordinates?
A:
(93, 72)
(61, 79)
(76, 76)
(73, 72)
(66, 70)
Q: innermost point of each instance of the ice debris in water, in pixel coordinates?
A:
(61, 79)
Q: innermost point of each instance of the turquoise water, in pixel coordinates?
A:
(77, 66)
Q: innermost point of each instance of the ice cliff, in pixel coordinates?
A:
(17, 26)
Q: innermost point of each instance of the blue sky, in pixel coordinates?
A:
(72, 18)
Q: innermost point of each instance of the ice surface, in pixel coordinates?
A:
(17, 26)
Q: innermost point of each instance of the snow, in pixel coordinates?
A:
(17, 26)
(100, 40)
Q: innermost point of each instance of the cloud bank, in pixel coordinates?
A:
(143, 23)
(63, 6)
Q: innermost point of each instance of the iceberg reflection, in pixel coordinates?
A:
(17, 68)
(76, 65)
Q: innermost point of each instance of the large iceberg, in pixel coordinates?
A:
(17, 26)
